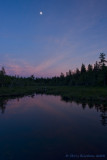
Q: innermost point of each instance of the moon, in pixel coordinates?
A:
(41, 12)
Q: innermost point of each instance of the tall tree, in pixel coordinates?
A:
(96, 66)
(83, 69)
(102, 60)
(3, 72)
(90, 68)
(77, 71)
(62, 75)
(2, 77)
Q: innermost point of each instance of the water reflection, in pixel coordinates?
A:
(50, 127)
(3, 103)
(102, 108)
(91, 104)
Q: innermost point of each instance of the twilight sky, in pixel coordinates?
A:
(67, 34)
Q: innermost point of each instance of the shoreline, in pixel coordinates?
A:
(82, 93)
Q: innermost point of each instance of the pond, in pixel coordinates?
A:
(48, 127)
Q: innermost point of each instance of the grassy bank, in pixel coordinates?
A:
(88, 93)
(17, 91)
(83, 93)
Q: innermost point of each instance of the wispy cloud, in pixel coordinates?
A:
(22, 67)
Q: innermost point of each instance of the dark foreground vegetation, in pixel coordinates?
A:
(90, 83)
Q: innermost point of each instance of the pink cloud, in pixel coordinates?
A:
(23, 68)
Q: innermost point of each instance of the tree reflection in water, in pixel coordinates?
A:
(103, 115)
(3, 103)
(100, 107)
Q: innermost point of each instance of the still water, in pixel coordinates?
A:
(45, 127)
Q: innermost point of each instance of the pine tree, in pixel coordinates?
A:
(102, 60)
(83, 69)
(90, 68)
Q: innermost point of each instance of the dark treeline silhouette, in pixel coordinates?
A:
(91, 76)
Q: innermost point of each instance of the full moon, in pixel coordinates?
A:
(41, 13)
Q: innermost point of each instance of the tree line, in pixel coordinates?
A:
(93, 75)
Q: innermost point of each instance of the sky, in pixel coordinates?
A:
(67, 34)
